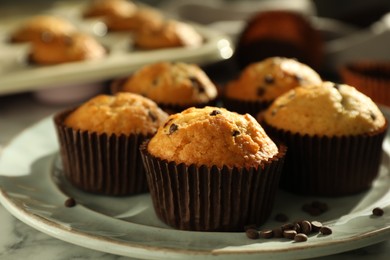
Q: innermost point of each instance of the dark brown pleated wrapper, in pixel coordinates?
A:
(212, 199)
(371, 78)
(245, 106)
(117, 86)
(101, 163)
(329, 166)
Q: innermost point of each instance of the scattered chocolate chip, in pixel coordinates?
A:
(306, 227)
(289, 234)
(155, 82)
(277, 232)
(269, 79)
(197, 84)
(297, 227)
(287, 226)
(325, 230)
(280, 217)
(70, 202)
(46, 36)
(252, 233)
(266, 233)
(316, 226)
(300, 237)
(215, 112)
(378, 211)
(235, 133)
(173, 128)
(260, 91)
(152, 116)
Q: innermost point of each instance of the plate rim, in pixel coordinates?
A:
(122, 248)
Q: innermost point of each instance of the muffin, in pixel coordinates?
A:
(169, 34)
(99, 142)
(279, 33)
(261, 82)
(174, 86)
(66, 48)
(122, 15)
(370, 77)
(334, 135)
(209, 169)
(41, 27)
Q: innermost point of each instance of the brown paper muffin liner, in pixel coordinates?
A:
(101, 163)
(371, 78)
(329, 166)
(244, 106)
(211, 198)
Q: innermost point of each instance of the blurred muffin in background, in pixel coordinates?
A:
(174, 86)
(40, 28)
(66, 48)
(262, 82)
(279, 33)
(370, 77)
(168, 35)
(122, 15)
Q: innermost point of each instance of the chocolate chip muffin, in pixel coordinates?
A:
(66, 48)
(334, 134)
(261, 82)
(109, 8)
(100, 139)
(173, 85)
(41, 27)
(208, 167)
(169, 34)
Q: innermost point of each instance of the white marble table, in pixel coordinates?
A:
(20, 241)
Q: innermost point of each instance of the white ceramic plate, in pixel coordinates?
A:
(16, 75)
(33, 190)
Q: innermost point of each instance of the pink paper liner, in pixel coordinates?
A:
(329, 166)
(371, 78)
(101, 163)
(211, 198)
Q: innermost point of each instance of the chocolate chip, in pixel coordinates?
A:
(280, 217)
(251, 226)
(260, 91)
(316, 226)
(173, 128)
(300, 237)
(269, 79)
(273, 112)
(373, 116)
(287, 226)
(252, 233)
(277, 232)
(215, 112)
(306, 227)
(155, 82)
(289, 234)
(378, 211)
(70, 202)
(325, 230)
(197, 84)
(266, 233)
(167, 122)
(235, 133)
(152, 116)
